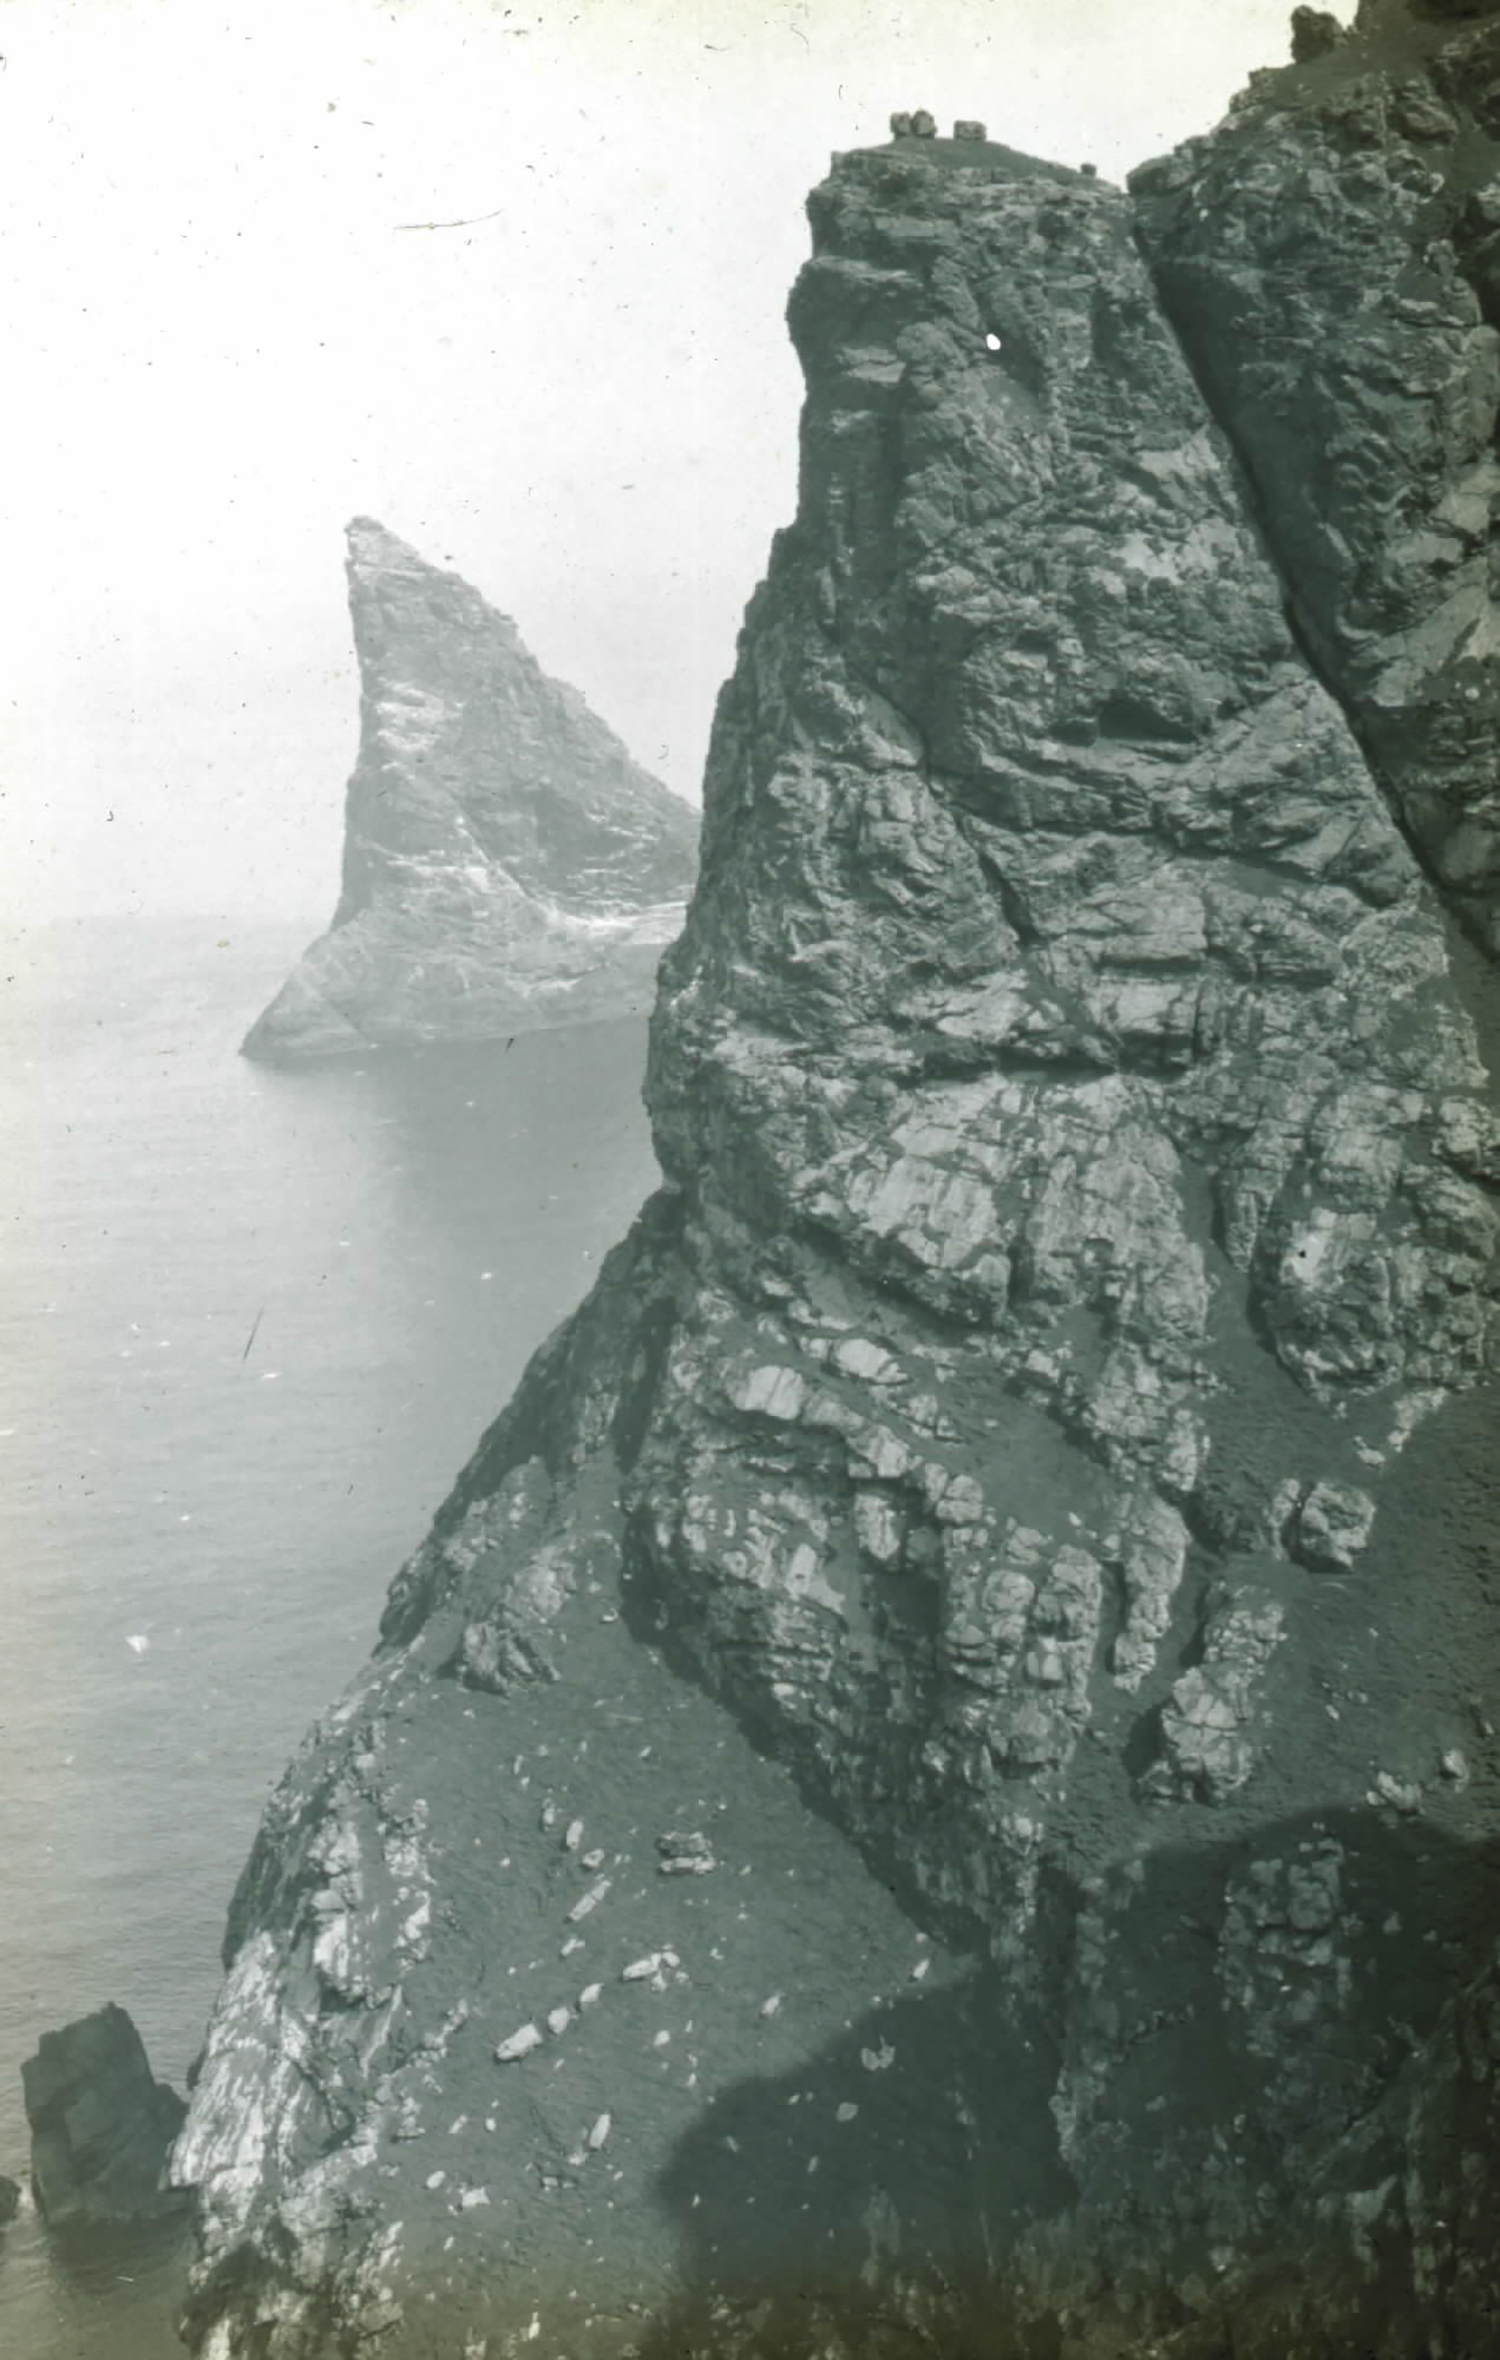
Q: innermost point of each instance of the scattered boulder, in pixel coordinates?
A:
(1403, 1795)
(685, 1853)
(923, 125)
(101, 2126)
(964, 128)
(1332, 1526)
(901, 126)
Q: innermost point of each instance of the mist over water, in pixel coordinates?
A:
(251, 1322)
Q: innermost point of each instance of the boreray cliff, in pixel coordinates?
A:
(507, 866)
(933, 1787)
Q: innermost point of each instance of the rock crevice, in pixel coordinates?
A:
(1330, 258)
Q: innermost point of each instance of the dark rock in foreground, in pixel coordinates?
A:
(10, 2200)
(101, 2126)
(507, 867)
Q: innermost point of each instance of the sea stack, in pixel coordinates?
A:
(934, 1785)
(507, 866)
(101, 2125)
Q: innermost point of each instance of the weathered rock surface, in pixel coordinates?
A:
(101, 2126)
(1330, 257)
(989, 1498)
(10, 2200)
(506, 865)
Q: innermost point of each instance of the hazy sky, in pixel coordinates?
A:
(222, 341)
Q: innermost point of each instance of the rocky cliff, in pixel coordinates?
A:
(1331, 260)
(506, 865)
(933, 1787)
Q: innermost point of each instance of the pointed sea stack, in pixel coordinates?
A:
(507, 866)
(934, 1786)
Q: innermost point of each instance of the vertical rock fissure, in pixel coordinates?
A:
(1329, 259)
(1303, 629)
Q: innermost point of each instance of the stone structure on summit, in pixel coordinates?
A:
(935, 1782)
(506, 867)
(922, 125)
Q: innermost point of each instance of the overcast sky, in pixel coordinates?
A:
(224, 338)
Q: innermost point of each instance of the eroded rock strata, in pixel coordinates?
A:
(1331, 258)
(933, 1786)
(506, 865)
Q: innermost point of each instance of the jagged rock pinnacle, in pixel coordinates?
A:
(506, 864)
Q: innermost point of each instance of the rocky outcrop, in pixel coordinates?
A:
(933, 1778)
(1331, 259)
(506, 865)
(101, 2127)
(10, 2200)
(1315, 31)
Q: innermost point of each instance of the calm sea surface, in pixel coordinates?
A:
(195, 1539)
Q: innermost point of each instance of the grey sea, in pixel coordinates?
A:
(251, 1323)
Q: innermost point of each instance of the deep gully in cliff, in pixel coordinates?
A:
(1259, 509)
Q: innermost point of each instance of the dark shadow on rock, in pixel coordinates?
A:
(1217, 2055)
(918, 2143)
(96, 2255)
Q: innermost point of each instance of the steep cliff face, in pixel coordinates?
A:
(1331, 259)
(934, 1770)
(506, 864)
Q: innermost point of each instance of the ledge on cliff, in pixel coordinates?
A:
(507, 866)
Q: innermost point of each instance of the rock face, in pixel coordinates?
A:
(101, 2127)
(10, 2200)
(1331, 259)
(506, 865)
(912, 1796)
(1314, 33)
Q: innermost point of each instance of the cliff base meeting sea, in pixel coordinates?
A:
(250, 1324)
